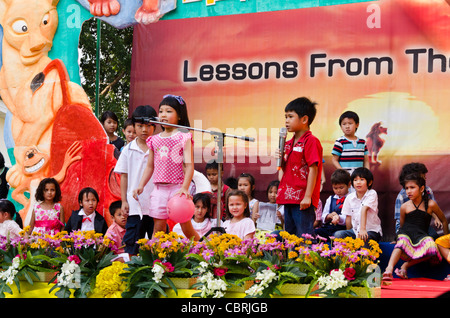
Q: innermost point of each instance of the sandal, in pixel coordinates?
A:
(401, 273)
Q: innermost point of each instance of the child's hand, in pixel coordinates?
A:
(137, 192)
(335, 219)
(280, 216)
(363, 235)
(438, 223)
(185, 192)
(306, 203)
(277, 154)
(125, 208)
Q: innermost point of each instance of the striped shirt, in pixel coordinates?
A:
(350, 152)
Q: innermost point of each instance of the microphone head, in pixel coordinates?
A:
(283, 132)
(145, 120)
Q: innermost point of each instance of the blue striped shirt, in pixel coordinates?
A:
(350, 152)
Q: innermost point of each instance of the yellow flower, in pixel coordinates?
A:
(292, 254)
(109, 283)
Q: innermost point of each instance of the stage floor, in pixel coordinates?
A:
(415, 288)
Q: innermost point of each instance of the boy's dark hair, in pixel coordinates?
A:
(231, 182)
(303, 107)
(41, 187)
(205, 198)
(213, 165)
(128, 122)
(7, 206)
(177, 103)
(244, 198)
(274, 183)
(141, 112)
(86, 191)
(365, 173)
(411, 168)
(113, 207)
(349, 114)
(340, 176)
(109, 114)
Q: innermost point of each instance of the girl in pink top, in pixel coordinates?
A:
(238, 211)
(47, 216)
(170, 162)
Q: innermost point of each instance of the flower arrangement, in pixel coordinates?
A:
(324, 263)
(23, 257)
(82, 255)
(220, 261)
(162, 257)
(82, 264)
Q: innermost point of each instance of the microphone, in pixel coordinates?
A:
(146, 120)
(283, 133)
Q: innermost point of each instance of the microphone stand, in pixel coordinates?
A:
(219, 138)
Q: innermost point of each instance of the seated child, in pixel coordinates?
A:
(361, 209)
(265, 213)
(239, 222)
(414, 244)
(117, 230)
(8, 227)
(201, 220)
(411, 168)
(332, 218)
(87, 218)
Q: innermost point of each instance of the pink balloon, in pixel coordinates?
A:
(180, 209)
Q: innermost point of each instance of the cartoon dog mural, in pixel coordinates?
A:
(51, 116)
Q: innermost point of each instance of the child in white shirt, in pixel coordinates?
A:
(361, 209)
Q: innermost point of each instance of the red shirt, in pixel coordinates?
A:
(297, 160)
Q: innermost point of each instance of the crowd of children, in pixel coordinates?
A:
(155, 167)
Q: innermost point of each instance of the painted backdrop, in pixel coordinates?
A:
(386, 60)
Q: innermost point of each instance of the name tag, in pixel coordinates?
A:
(298, 149)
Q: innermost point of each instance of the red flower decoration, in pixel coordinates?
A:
(349, 273)
(220, 271)
(74, 258)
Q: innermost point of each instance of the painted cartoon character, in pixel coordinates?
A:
(374, 142)
(44, 102)
(148, 13)
(32, 97)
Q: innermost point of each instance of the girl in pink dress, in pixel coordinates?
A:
(47, 215)
(170, 162)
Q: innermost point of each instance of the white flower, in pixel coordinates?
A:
(335, 280)
(70, 275)
(11, 272)
(158, 271)
(212, 287)
(265, 277)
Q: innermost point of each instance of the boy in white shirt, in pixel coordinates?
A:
(361, 209)
(130, 166)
